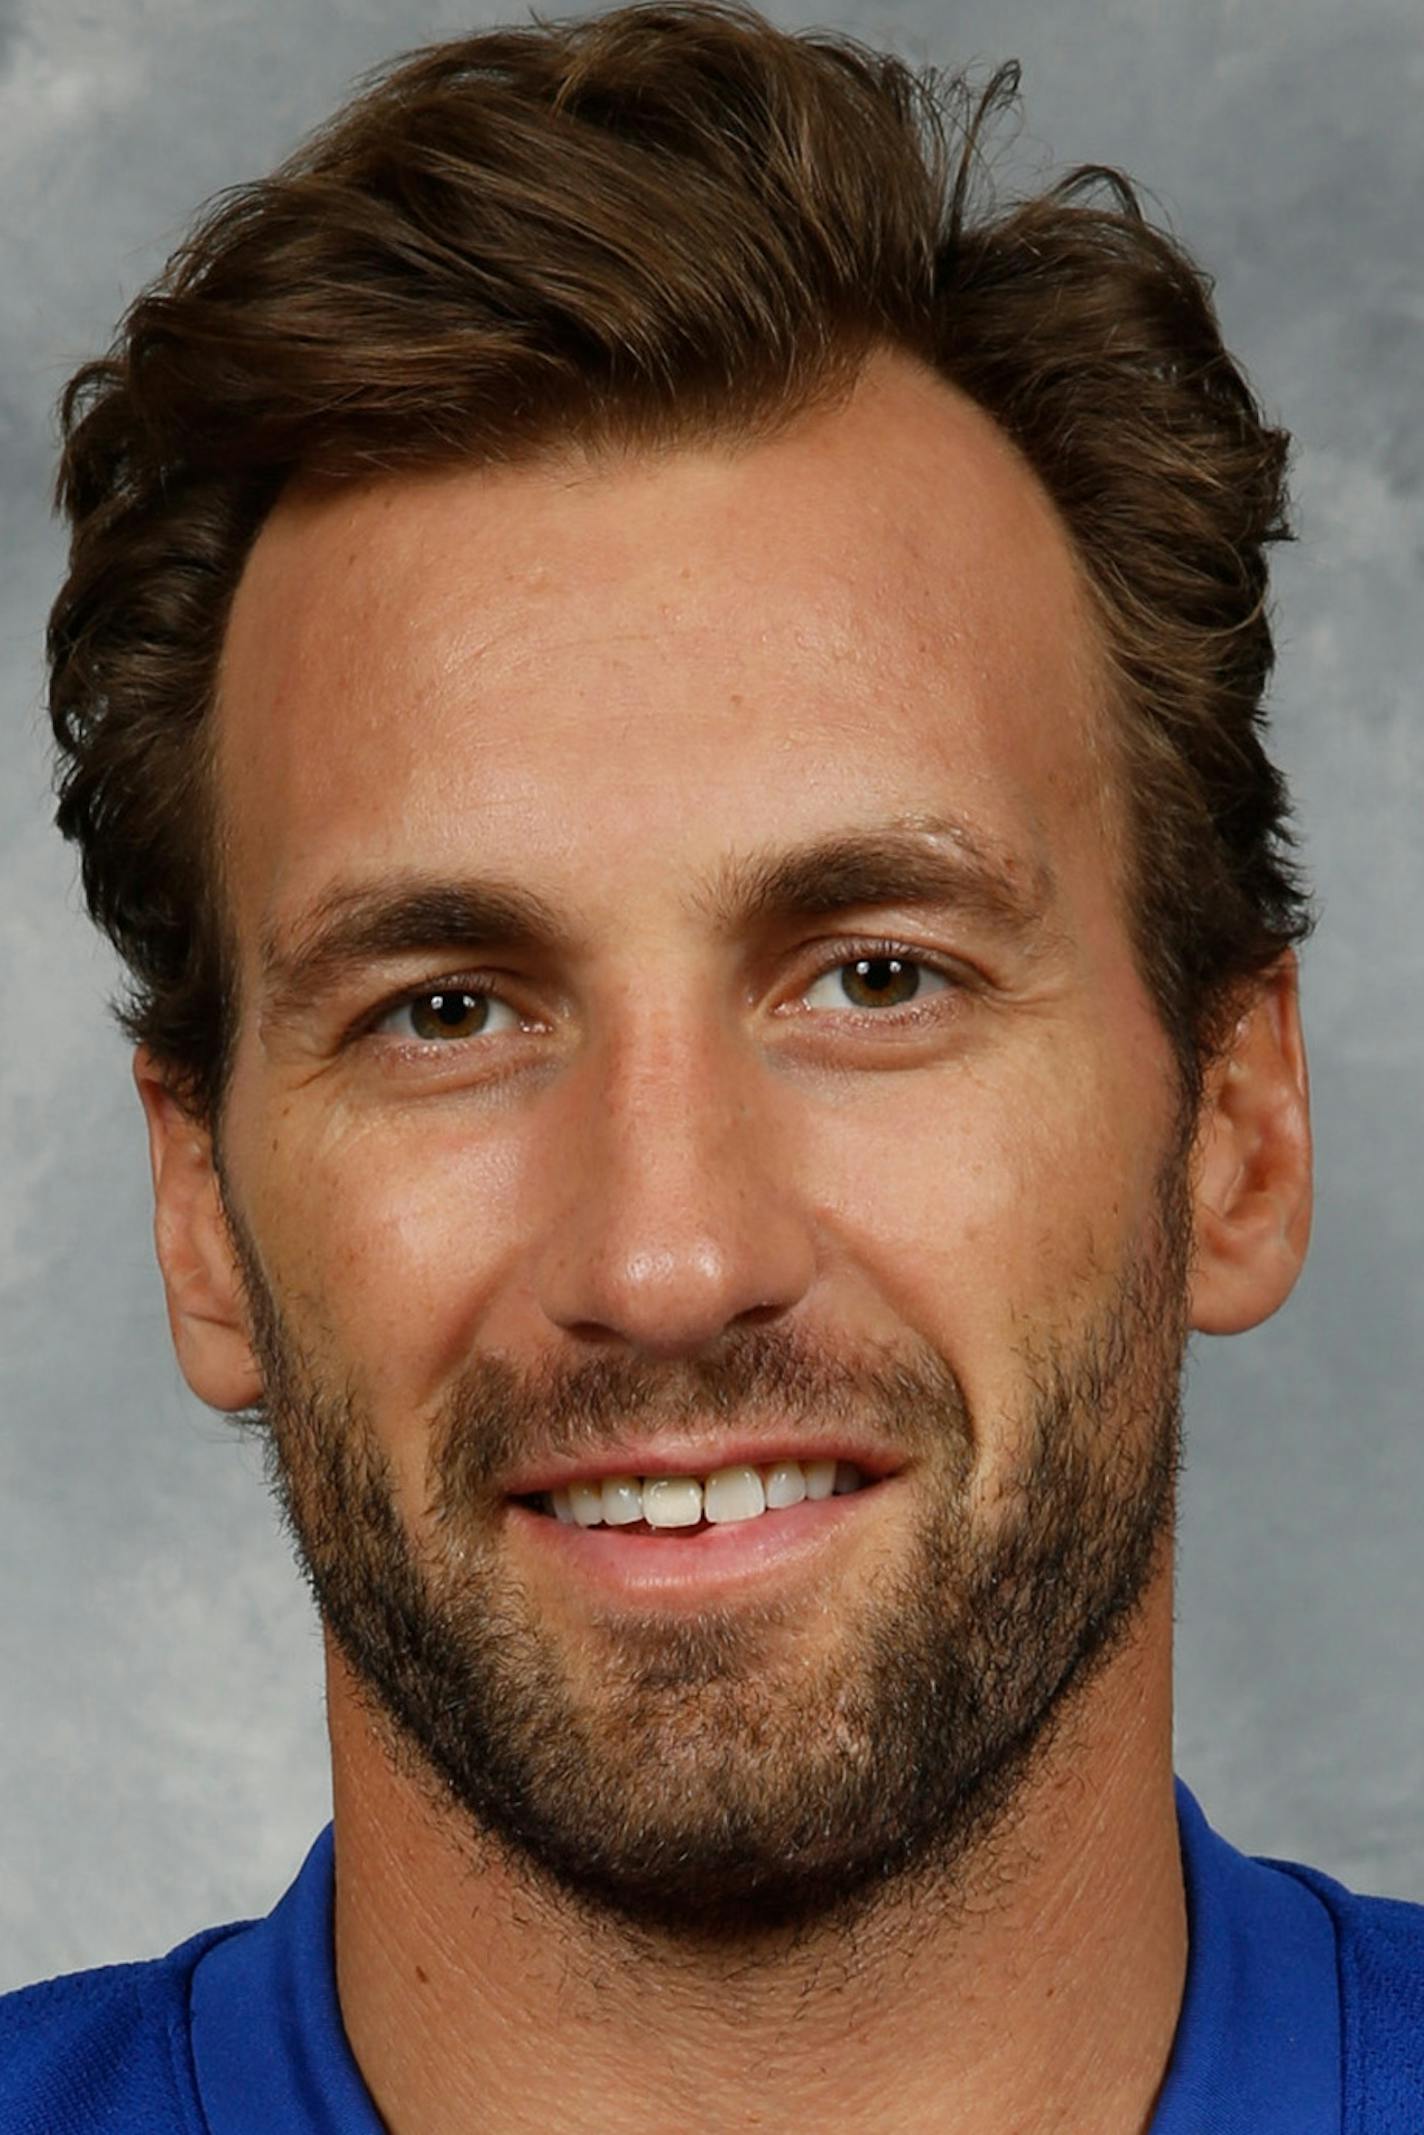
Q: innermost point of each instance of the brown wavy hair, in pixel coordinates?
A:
(669, 223)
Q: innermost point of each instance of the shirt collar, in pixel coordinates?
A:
(1257, 2049)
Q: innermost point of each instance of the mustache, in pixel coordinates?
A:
(499, 1416)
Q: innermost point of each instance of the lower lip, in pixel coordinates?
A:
(697, 1567)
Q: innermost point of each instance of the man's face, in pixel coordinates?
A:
(876, 1154)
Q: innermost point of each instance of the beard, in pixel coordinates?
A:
(728, 1781)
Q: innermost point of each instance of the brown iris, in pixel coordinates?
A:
(880, 975)
(456, 1014)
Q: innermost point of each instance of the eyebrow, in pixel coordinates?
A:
(923, 861)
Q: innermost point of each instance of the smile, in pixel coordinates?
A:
(685, 1541)
(684, 1504)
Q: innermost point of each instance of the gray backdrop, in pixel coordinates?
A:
(162, 1760)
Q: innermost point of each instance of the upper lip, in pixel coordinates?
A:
(701, 1456)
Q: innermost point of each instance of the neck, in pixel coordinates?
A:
(1046, 1997)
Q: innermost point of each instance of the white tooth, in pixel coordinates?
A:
(672, 1501)
(563, 1510)
(785, 1484)
(820, 1477)
(587, 1502)
(622, 1500)
(733, 1494)
(847, 1478)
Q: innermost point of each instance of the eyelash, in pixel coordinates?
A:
(846, 954)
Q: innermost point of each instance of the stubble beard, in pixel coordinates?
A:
(722, 1786)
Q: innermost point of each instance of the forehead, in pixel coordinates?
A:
(606, 672)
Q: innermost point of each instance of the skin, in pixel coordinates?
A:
(602, 681)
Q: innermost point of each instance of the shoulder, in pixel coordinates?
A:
(1381, 1955)
(103, 2052)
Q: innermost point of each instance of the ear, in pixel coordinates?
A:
(206, 1309)
(1252, 1168)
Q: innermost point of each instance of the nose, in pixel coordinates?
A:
(674, 1216)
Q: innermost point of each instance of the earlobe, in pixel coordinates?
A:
(201, 1279)
(1252, 1165)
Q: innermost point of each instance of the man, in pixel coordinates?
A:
(667, 716)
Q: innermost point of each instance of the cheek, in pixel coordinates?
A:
(989, 1213)
(381, 1242)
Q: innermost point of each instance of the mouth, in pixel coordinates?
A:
(689, 1504)
(685, 1539)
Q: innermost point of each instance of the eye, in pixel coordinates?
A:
(444, 1012)
(882, 979)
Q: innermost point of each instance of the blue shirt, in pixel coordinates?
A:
(1303, 2015)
